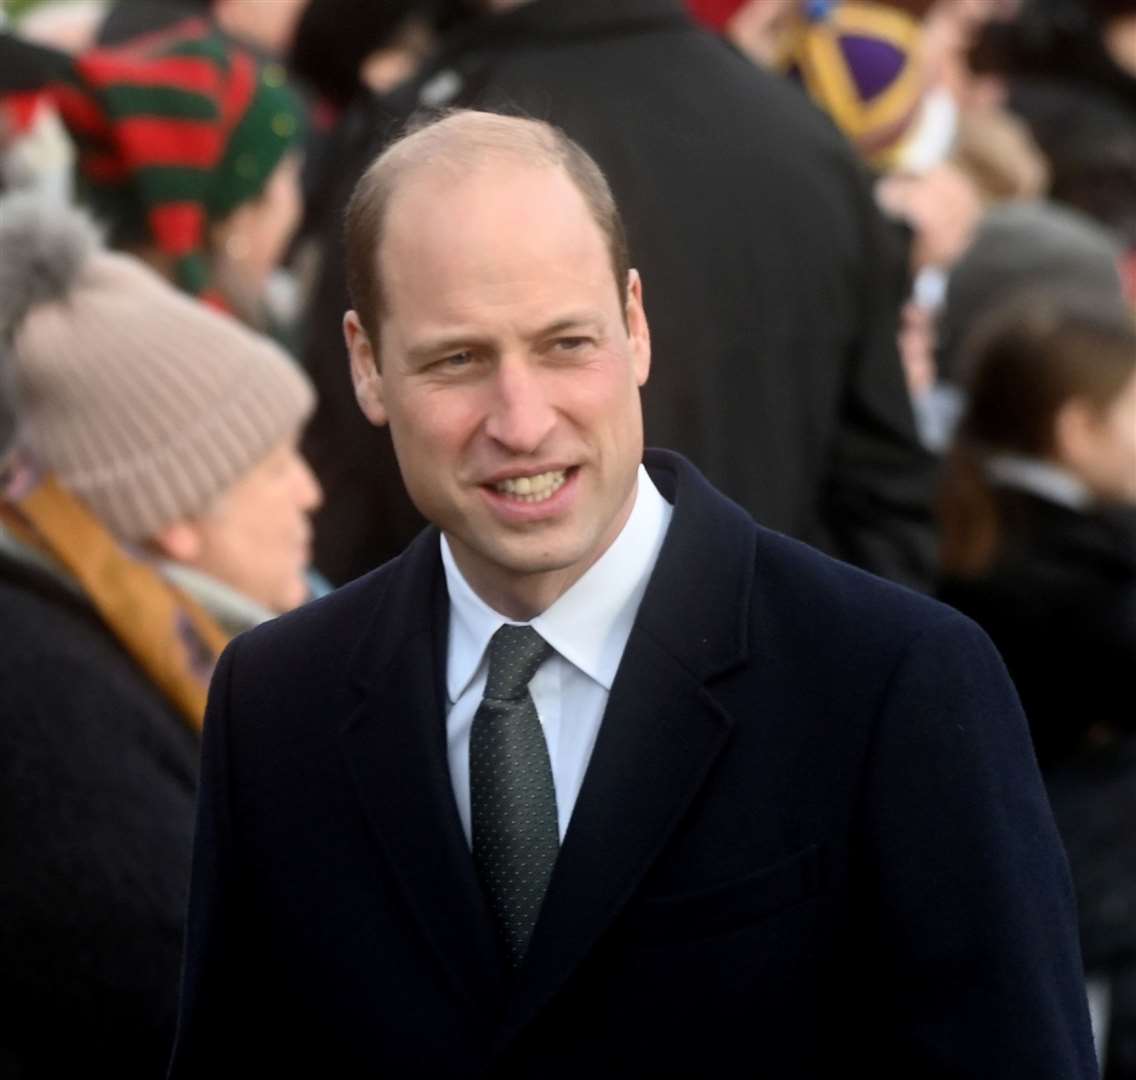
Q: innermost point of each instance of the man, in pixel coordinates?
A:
(772, 299)
(599, 777)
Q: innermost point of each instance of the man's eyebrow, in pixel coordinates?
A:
(573, 321)
(429, 348)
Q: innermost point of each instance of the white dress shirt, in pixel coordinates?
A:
(588, 628)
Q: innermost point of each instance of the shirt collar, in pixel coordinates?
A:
(1040, 478)
(590, 624)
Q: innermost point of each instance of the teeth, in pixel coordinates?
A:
(533, 488)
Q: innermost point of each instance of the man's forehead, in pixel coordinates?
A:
(429, 188)
(492, 209)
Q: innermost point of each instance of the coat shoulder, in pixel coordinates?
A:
(846, 621)
(750, 591)
(789, 571)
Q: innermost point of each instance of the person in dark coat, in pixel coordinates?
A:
(99, 775)
(1038, 509)
(771, 290)
(151, 505)
(599, 777)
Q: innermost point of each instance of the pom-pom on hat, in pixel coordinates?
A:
(175, 131)
(145, 403)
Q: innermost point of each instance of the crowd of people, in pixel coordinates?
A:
(887, 252)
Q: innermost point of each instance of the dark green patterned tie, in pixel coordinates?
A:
(512, 796)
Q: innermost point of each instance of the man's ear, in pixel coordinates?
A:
(180, 541)
(365, 371)
(637, 329)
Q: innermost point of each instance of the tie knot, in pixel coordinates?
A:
(515, 652)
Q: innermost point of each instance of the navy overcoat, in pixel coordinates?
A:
(811, 837)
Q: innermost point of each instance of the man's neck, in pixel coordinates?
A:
(523, 598)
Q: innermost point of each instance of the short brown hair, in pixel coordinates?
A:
(1027, 360)
(466, 135)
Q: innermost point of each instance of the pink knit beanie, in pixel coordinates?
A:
(143, 402)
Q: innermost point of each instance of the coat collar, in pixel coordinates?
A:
(409, 600)
(662, 722)
(395, 747)
(704, 574)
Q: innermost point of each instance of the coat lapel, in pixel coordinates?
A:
(395, 745)
(661, 733)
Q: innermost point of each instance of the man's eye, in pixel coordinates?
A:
(457, 360)
(571, 344)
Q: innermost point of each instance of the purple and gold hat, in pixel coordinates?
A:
(859, 62)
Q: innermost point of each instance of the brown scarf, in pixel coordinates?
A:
(166, 632)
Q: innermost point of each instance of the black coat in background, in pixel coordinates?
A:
(1060, 604)
(769, 292)
(811, 836)
(97, 782)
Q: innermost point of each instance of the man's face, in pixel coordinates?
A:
(508, 375)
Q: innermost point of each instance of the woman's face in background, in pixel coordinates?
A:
(253, 238)
(257, 537)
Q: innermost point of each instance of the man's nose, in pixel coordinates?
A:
(520, 414)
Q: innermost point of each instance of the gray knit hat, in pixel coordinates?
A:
(143, 402)
(1024, 247)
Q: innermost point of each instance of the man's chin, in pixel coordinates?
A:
(522, 563)
(522, 556)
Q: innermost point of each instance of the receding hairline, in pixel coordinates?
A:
(458, 143)
(420, 181)
(468, 138)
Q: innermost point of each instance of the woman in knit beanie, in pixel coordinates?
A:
(152, 503)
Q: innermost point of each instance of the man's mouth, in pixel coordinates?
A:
(532, 489)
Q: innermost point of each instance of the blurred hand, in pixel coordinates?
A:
(941, 206)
